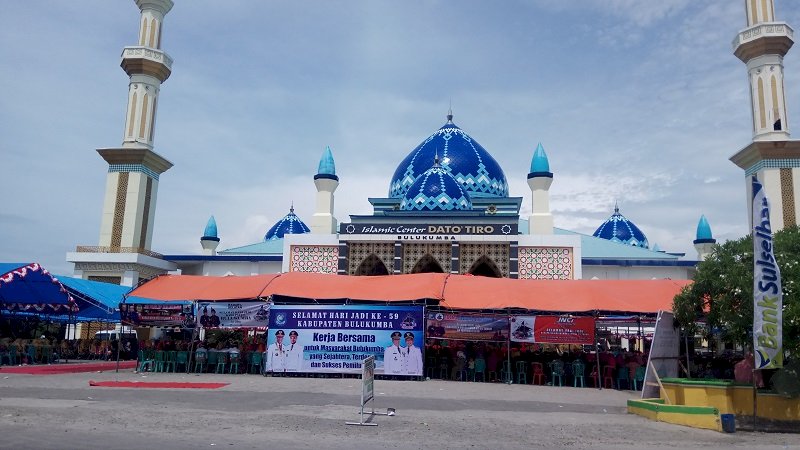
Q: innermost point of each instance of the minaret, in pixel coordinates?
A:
(539, 179)
(326, 182)
(772, 156)
(210, 240)
(704, 241)
(133, 168)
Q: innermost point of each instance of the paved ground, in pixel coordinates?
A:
(62, 411)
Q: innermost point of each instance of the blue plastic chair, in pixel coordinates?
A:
(578, 370)
(623, 375)
(480, 368)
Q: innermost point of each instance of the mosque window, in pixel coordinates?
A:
(143, 31)
(152, 40)
(776, 115)
(143, 118)
(485, 267)
(372, 266)
(761, 108)
(131, 114)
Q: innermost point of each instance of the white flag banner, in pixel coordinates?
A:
(767, 294)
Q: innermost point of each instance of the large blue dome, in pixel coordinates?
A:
(290, 224)
(619, 229)
(461, 156)
(436, 190)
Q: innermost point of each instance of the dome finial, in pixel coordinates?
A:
(616, 207)
(450, 112)
(436, 158)
(291, 208)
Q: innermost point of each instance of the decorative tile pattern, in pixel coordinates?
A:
(546, 263)
(787, 197)
(133, 168)
(361, 251)
(497, 254)
(414, 253)
(436, 190)
(465, 159)
(313, 258)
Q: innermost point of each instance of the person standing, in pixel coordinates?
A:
(394, 357)
(294, 354)
(276, 354)
(413, 358)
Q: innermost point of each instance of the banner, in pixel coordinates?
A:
(157, 315)
(767, 294)
(336, 339)
(232, 314)
(552, 329)
(664, 354)
(472, 327)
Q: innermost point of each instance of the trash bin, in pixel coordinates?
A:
(728, 423)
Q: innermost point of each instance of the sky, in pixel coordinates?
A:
(635, 102)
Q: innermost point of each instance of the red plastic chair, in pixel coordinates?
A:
(538, 373)
(608, 377)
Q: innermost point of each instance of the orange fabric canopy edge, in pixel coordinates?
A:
(453, 291)
(381, 288)
(635, 296)
(198, 287)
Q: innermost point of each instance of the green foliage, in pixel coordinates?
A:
(722, 291)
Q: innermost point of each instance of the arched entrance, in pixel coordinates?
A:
(371, 266)
(427, 264)
(485, 267)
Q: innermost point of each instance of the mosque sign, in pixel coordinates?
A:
(442, 231)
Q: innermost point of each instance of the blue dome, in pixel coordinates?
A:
(210, 233)
(436, 190)
(466, 160)
(290, 224)
(619, 229)
(704, 231)
(539, 163)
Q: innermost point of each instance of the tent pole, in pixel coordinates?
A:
(597, 352)
(508, 357)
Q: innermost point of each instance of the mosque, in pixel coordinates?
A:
(448, 207)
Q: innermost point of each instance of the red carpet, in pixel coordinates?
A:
(56, 369)
(157, 384)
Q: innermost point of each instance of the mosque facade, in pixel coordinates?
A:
(448, 208)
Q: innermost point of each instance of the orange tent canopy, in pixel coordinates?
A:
(643, 296)
(383, 288)
(197, 287)
(452, 291)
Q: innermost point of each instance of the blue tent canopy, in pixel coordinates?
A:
(29, 285)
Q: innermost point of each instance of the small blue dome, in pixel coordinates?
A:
(539, 163)
(326, 164)
(210, 233)
(290, 224)
(619, 229)
(461, 156)
(704, 231)
(436, 190)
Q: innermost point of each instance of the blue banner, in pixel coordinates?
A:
(336, 339)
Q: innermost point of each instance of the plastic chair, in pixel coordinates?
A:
(233, 360)
(145, 361)
(256, 362)
(480, 368)
(578, 370)
(608, 377)
(169, 360)
(443, 366)
(505, 372)
(213, 356)
(47, 354)
(638, 377)
(623, 374)
(430, 367)
(522, 375)
(557, 371)
(182, 359)
(537, 370)
(222, 361)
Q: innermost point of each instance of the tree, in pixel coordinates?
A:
(722, 291)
